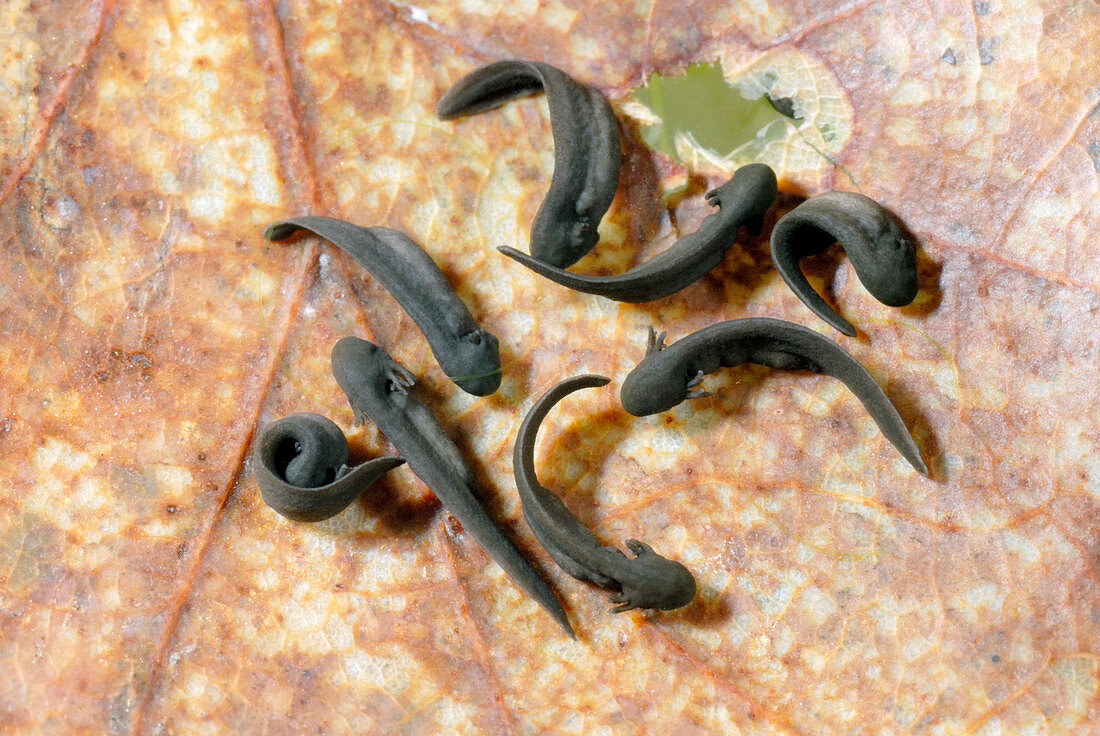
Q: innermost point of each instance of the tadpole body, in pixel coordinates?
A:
(587, 153)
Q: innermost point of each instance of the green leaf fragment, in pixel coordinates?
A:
(700, 103)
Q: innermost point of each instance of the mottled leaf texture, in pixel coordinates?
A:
(147, 330)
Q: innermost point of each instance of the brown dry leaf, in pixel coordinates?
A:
(148, 330)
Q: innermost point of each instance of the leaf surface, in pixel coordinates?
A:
(150, 331)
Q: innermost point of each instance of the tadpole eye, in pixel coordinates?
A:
(581, 230)
(474, 337)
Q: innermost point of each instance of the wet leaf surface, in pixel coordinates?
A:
(149, 330)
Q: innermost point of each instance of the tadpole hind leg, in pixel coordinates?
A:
(400, 379)
(623, 602)
(693, 391)
(655, 341)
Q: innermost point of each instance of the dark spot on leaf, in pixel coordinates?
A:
(962, 231)
(981, 7)
(783, 106)
(31, 546)
(172, 508)
(996, 658)
(985, 50)
(1094, 150)
(950, 57)
(118, 709)
(454, 524)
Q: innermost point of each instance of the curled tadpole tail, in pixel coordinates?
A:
(468, 354)
(646, 580)
(742, 200)
(884, 258)
(300, 464)
(587, 153)
(669, 375)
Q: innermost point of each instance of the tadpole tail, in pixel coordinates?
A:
(473, 517)
(611, 287)
(488, 87)
(297, 461)
(330, 228)
(834, 361)
(434, 458)
(786, 263)
(523, 454)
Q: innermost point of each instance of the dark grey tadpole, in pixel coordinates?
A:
(647, 580)
(743, 200)
(377, 389)
(468, 354)
(669, 375)
(884, 259)
(587, 156)
(300, 463)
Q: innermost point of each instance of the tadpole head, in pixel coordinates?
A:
(752, 188)
(306, 450)
(363, 369)
(883, 256)
(644, 392)
(892, 276)
(671, 584)
(475, 365)
(680, 589)
(561, 237)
